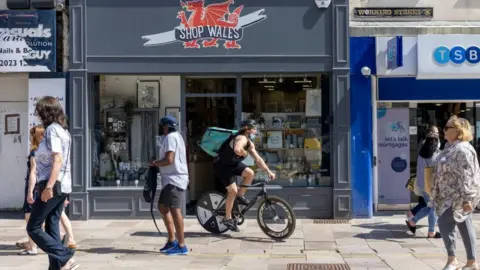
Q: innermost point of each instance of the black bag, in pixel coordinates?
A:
(149, 191)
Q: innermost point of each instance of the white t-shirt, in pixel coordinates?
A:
(176, 173)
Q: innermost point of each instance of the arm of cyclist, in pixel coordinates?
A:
(239, 146)
(260, 162)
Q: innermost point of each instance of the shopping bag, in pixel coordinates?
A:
(410, 185)
(428, 175)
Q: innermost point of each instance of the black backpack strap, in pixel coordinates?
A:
(154, 191)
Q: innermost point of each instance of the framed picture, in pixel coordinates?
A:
(12, 124)
(148, 94)
(313, 106)
(275, 139)
(174, 112)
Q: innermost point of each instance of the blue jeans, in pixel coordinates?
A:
(426, 211)
(49, 240)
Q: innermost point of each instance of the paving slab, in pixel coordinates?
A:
(379, 243)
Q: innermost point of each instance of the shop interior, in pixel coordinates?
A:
(292, 111)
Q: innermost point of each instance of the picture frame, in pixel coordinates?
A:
(174, 112)
(148, 94)
(12, 124)
(313, 107)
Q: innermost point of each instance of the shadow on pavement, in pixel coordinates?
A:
(385, 231)
(214, 237)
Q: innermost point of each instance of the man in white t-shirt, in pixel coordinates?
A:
(173, 168)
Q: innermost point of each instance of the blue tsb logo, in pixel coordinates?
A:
(457, 55)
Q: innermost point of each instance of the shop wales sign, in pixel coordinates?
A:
(27, 41)
(207, 24)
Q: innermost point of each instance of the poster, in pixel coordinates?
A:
(393, 148)
(27, 40)
(37, 88)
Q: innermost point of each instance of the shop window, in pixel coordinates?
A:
(294, 134)
(125, 111)
(210, 85)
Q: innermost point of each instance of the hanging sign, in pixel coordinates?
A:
(209, 24)
(394, 53)
(27, 41)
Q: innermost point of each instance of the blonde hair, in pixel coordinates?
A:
(463, 127)
(36, 136)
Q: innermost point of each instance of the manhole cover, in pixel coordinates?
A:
(317, 266)
(331, 221)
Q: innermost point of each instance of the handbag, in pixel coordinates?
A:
(410, 185)
(428, 177)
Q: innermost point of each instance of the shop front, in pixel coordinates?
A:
(209, 63)
(438, 78)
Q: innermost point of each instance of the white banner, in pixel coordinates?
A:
(37, 88)
(171, 36)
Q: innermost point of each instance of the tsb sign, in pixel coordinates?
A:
(457, 55)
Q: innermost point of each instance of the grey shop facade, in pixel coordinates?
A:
(209, 63)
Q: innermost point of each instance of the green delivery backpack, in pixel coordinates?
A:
(213, 138)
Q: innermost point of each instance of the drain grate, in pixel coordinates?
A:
(331, 221)
(317, 266)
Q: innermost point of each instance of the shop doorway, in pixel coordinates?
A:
(208, 102)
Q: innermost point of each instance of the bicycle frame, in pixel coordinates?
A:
(261, 193)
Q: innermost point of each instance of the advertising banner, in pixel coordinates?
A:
(393, 155)
(37, 88)
(27, 41)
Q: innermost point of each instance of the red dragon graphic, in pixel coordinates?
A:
(211, 15)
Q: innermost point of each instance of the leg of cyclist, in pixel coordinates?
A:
(231, 196)
(247, 175)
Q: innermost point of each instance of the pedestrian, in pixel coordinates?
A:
(68, 240)
(429, 151)
(31, 189)
(54, 182)
(456, 191)
(173, 168)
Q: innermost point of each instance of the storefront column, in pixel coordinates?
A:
(78, 118)
(340, 100)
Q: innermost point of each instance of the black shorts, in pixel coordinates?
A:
(172, 196)
(226, 173)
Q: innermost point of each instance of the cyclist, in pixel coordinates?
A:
(229, 164)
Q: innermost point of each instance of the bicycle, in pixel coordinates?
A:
(211, 212)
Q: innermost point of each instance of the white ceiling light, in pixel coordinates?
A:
(305, 80)
(265, 80)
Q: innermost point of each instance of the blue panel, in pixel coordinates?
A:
(413, 89)
(362, 53)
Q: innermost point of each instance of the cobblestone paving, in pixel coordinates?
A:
(379, 243)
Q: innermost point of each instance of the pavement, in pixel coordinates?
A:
(378, 243)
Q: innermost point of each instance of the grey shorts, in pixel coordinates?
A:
(172, 197)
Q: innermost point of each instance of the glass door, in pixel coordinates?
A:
(208, 102)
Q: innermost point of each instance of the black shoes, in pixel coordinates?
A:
(231, 224)
(242, 200)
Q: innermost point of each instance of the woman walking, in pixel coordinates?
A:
(428, 153)
(31, 189)
(456, 191)
(54, 182)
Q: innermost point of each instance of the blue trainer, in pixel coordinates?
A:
(168, 246)
(177, 250)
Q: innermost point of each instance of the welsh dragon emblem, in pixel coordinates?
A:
(203, 26)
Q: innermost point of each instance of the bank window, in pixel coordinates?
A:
(293, 135)
(124, 127)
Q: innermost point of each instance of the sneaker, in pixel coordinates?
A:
(231, 225)
(177, 250)
(168, 246)
(242, 200)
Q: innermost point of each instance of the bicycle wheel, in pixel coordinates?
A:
(288, 220)
(207, 203)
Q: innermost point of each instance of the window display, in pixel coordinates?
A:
(124, 137)
(294, 133)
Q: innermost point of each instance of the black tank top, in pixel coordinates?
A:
(226, 154)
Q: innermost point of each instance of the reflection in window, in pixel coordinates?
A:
(294, 134)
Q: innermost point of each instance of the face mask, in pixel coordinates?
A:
(252, 136)
(439, 145)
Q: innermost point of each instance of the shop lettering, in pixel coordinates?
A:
(394, 142)
(7, 34)
(456, 55)
(28, 53)
(200, 32)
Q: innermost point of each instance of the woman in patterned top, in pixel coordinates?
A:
(456, 190)
(54, 184)
(31, 190)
